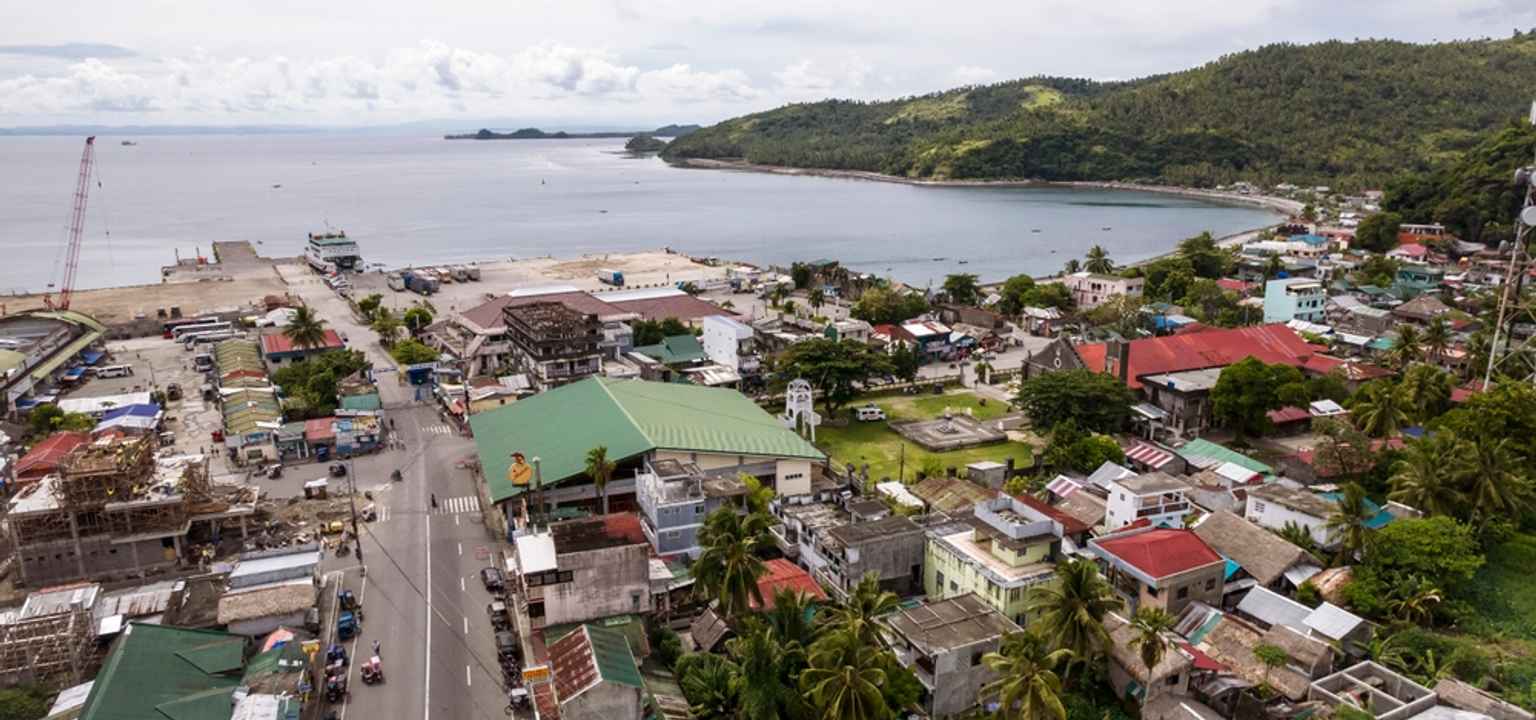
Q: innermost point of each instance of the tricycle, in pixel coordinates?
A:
(373, 671)
(335, 687)
(346, 626)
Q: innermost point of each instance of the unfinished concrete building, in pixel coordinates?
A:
(554, 343)
(114, 511)
(49, 639)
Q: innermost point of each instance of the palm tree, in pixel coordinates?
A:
(1072, 266)
(1347, 523)
(1409, 347)
(1151, 625)
(728, 566)
(709, 683)
(305, 330)
(1430, 475)
(1098, 261)
(844, 678)
(1073, 608)
(866, 603)
(760, 660)
(790, 619)
(1499, 485)
(1426, 391)
(1027, 686)
(601, 471)
(1415, 601)
(1437, 339)
(816, 298)
(387, 325)
(1298, 535)
(1379, 409)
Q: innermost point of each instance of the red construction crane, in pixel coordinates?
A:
(76, 226)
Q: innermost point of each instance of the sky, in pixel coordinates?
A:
(624, 63)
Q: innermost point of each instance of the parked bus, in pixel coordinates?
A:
(185, 330)
(168, 329)
(114, 371)
(204, 338)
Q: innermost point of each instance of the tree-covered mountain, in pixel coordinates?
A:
(1343, 113)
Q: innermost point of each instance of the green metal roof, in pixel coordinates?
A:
(11, 360)
(369, 401)
(673, 350)
(158, 671)
(1205, 448)
(629, 417)
(76, 318)
(65, 354)
(611, 653)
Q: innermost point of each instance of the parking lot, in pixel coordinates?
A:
(158, 363)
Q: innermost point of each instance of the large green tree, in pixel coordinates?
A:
(834, 367)
(1431, 473)
(305, 328)
(886, 306)
(1071, 611)
(728, 565)
(1379, 409)
(961, 288)
(1378, 233)
(1092, 401)
(1027, 685)
(1247, 390)
(844, 679)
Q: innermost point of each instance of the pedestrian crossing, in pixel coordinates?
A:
(439, 429)
(382, 513)
(457, 505)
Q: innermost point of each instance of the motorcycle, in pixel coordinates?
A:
(395, 476)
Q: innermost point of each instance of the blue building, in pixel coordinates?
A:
(1287, 299)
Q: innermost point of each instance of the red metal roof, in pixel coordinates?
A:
(780, 574)
(280, 343)
(320, 429)
(1352, 370)
(1233, 284)
(682, 307)
(573, 664)
(1202, 661)
(45, 456)
(1160, 552)
(1288, 414)
(1210, 348)
(1071, 525)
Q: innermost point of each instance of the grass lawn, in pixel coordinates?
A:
(1501, 592)
(875, 443)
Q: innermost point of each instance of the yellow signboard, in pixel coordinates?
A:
(520, 473)
(537, 673)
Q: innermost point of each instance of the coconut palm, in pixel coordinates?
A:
(1437, 339)
(1298, 535)
(387, 325)
(1072, 266)
(1151, 625)
(1379, 410)
(1415, 600)
(1098, 261)
(305, 329)
(709, 683)
(760, 662)
(1409, 346)
(601, 471)
(1027, 686)
(790, 619)
(866, 603)
(1426, 391)
(843, 679)
(1499, 485)
(728, 567)
(816, 298)
(1431, 473)
(1347, 524)
(1072, 609)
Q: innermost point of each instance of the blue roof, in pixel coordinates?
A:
(1379, 515)
(91, 357)
(138, 410)
(1231, 569)
(74, 373)
(1310, 239)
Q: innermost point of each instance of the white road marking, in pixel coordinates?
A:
(439, 429)
(461, 585)
(457, 505)
(455, 519)
(467, 679)
(466, 626)
(426, 705)
(461, 548)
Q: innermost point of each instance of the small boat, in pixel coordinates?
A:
(964, 262)
(128, 143)
(939, 259)
(1106, 228)
(276, 186)
(1035, 230)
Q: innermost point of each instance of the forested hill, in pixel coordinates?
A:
(1346, 114)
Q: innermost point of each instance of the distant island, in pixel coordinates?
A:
(672, 131)
(645, 144)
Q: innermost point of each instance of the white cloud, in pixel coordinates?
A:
(973, 75)
(682, 83)
(813, 80)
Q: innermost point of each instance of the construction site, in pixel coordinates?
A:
(115, 511)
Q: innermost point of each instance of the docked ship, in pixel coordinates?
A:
(333, 251)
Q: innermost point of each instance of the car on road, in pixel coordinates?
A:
(493, 580)
(870, 413)
(506, 645)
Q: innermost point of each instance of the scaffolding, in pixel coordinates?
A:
(50, 639)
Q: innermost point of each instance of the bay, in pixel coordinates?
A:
(425, 200)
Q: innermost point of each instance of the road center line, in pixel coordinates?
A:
(426, 702)
(461, 585)
(467, 679)
(461, 548)
(466, 626)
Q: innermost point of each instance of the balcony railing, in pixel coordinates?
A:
(1161, 509)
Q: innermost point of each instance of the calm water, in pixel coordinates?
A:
(423, 199)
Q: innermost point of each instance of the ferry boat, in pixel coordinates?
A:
(333, 251)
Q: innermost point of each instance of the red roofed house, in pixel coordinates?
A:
(780, 574)
(1161, 567)
(587, 569)
(46, 457)
(595, 676)
(278, 348)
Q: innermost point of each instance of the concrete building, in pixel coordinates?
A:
(675, 498)
(582, 570)
(891, 548)
(1004, 549)
(278, 349)
(1156, 497)
(730, 342)
(553, 343)
(1089, 290)
(1160, 567)
(1287, 299)
(942, 643)
(36, 350)
(271, 589)
(478, 336)
(1130, 677)
(1274, 505)
(595, 675)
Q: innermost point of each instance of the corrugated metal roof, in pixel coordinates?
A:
(156, 671)
(1333, 621)
(1273, 608)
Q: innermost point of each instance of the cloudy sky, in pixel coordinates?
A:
(591, 63)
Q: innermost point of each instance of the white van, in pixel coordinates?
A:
(869, 413)
(114, 371)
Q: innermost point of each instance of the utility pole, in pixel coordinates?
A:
(357, 537)
(538, 488)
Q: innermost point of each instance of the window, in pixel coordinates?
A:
(938, 580)
(1183, 592)
(976, 659)
(1173, 679)
(536, 609)
(1258, 506)
(1210, 584)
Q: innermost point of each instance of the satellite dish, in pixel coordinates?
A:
(1528, 216)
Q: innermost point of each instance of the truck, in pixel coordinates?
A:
(610, 277)
(396, 282)
(420, 282)
(474, 272)
(460, 273)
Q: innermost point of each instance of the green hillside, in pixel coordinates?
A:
(1347, 114)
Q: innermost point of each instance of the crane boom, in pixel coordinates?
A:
(76, 226)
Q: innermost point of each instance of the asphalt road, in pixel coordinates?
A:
(422, 597)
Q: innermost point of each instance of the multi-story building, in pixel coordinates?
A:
(942, 643)
(730, 342)
(1089, 290)
(1274, 506)
(675, 498)
(1160, 567)
(1287, 299)
(891, 547)
(477, 337)
(1156, 497)
(1005, 548)
(554, 343)
(581, 570)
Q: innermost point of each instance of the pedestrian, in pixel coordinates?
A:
(376, 652)
(434, 501)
